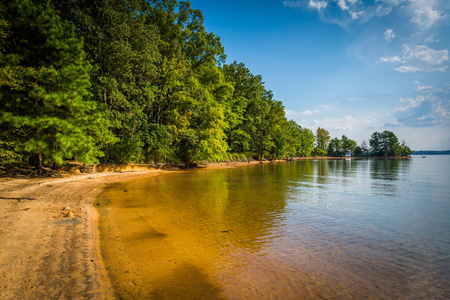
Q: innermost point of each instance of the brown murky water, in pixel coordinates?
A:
(304, 230)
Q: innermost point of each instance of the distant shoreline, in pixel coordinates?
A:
(431, 152)
(74, 168)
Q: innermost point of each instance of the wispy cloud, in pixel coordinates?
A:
(344, 12)
(417, 112)
(329, 107)
(347, 123)
(407, 69)
(313, 4)
(389, 59)
(430, 108)
(432, 39)
(419, 58)
(292, 3)
(319, 5)
(355, 99)
(423, 87)
(424, 13)
(410, 103)
(422, 58)
(441, 111)
(290, 112)
(389, 34)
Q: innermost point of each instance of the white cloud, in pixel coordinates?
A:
(344, 12)
(347, 123)
(422, 87)
(356, 15)
(353, 13)
(292, 3)
(319, 5)
(389, 34)
(411, 103)
(424, 53)
(290, 112)
(441, 111)
(422, 58)
(314, 4)
(389, 59)
(407, 69)
(424, 110)
(355, 99)
(329, 107)
(432, 39)
(342, 4)
(424, 14)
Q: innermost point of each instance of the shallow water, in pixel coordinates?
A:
(308, 229)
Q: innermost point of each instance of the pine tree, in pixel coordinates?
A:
(48, 109)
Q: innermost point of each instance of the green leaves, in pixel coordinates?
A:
(342, 147)
(322, 140)
(46, 100)
(134, 81)
(385, 144)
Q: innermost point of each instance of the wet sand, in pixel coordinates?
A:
(47, 252)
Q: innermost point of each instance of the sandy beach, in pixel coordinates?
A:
(50, 247)
(49, 235)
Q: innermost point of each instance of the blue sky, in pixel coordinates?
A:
(350, 66)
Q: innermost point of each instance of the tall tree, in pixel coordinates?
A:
(348, 146)
(384, 144)
(123, 49)
(322, 140)
(306, 142)
(335, 148)
(48, 111)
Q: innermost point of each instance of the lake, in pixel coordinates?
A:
(309, 229)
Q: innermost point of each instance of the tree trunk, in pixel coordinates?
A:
(39, 163)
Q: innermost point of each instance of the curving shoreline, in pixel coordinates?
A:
(48, 251)
(46, 254)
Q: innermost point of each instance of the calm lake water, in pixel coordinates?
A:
(331, 229)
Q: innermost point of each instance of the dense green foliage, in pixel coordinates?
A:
(137, 81)
(385, 144)
(342, 147)
(322, 140)
(45, 101)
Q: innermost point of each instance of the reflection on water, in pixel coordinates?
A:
(307, 229)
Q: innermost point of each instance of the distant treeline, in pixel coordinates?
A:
(139, 81)
(431, 152)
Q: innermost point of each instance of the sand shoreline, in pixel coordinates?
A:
(45, 254)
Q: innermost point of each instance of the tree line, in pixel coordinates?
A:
(136, 81)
